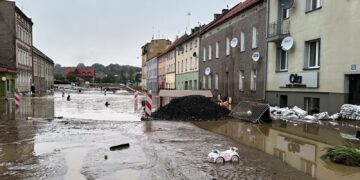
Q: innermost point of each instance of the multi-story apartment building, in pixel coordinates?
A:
(149, 51)
(43, 72)
(187, 61)
(313, 57)
(161, 71)
(232, 52)
(23, 51)
(170, 63)
(15, 48)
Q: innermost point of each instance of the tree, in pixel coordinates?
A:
(81, 65)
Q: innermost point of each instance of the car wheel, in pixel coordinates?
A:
(220, 160)
(235, 159)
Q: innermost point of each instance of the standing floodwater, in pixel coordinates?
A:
(78, 146)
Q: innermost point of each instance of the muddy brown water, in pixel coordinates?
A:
(75, 147)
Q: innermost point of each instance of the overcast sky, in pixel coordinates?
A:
(111, 31)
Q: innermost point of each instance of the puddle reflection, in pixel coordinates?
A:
(299, 145)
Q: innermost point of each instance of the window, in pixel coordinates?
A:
(204, 82)
(253, 80)
(217, 50)
(195, 84)
(191, 64)
(216, 81)
(178, 67)
(312, 105)
(282, 58)
(241, 80)
(308, 167)
(209, 83)
(313, 5)
(196, 43)
(279, 154)
(182, 65)
(254, 38)
(204, 54)
(186, 65)
(227, 46)
(242, 42)
(285, 13)
(210, 52)
(312, 54)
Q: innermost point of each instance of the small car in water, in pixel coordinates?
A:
(220, 157)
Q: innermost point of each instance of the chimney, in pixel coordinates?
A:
(216, 16)
(225, 11)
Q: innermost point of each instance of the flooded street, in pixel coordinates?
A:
(77, 146)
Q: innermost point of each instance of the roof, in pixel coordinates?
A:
(7, 70)
(174, 44)
(182, 93)
(85, 72)
(231, 13)
(41, 54)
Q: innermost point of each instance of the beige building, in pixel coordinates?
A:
(150, 50)
(43, 72)
(187, 61)
(23, 51)
(317, 66)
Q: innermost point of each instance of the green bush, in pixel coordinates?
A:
(344, 155)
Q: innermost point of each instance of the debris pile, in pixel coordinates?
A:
(297, 113)
(191, 108)
(351, 112)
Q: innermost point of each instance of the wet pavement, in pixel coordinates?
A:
(75, 147)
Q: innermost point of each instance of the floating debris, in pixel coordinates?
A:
(120, 147)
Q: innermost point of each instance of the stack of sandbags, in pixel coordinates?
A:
(349, 111)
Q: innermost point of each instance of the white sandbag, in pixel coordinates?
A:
(299, 111)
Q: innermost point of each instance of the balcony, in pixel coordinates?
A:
(278, 30)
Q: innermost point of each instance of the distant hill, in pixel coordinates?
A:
(113, 73)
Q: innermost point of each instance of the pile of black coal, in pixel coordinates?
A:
(191, 108)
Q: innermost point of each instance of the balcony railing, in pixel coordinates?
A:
(278, 29)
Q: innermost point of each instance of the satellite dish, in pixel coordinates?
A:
(3, 78)
(207, 71)
(234, 42)
(287, 43)
(287, 4)
(256, 56)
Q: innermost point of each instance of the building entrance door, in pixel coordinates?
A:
(186, 85)
(354, 89)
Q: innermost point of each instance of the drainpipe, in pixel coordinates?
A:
(266, 48)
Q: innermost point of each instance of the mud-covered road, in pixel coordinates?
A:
(74, 147)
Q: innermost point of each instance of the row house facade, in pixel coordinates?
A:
(313, 57)
(43, 72)
(187, 61)
(232, 53)
(150, 50)
(15, 49)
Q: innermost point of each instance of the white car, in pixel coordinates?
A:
(220, 157)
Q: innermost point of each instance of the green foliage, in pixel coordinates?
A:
(344, 155)
(72, 77)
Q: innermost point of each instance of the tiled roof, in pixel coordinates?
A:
(231, 13)
(175, 44)
(85, 72)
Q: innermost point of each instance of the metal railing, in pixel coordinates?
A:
(279, 27)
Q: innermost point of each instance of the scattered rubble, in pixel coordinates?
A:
(191, 108)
